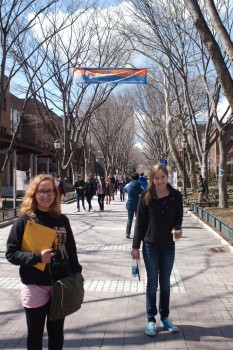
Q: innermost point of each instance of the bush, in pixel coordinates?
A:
(229, 179)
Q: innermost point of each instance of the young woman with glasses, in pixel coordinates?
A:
(41, 204)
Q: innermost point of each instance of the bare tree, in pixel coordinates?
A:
(167, 38)
(113, 129)
(221, 64)
(149, 105)
(91, 41)
(18, 19)
(165, 42)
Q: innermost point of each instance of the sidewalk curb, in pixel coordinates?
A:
(7, 222)
(222, 241)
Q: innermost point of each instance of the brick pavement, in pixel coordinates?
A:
(113, 314)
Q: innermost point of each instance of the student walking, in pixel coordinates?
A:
(160, 210)
(60, 185)
(101, 191)
(202, 190)
(108, 191)
(42, 204)
(112, 183)
(121, 185)
(79, 187)
(133, 189)
(89, 192)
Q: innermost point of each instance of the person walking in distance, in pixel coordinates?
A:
(101, 191)
(108, 193)
(60, 185)
(133, 189)
(79, 187)
(42, 205)
(160, 211)
(112, 183)
(89, 192)
(202, 189)
(121, 185)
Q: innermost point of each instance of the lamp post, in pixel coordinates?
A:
(57, 146)
(184, 144)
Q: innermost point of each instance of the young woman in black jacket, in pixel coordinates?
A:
(160, 211)
(41, 204)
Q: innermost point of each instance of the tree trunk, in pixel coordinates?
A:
(191, 179)
(223, 199)
(220, 28)
(213, 48)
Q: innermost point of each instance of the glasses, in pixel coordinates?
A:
(42, 193)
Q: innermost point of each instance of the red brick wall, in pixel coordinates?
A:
(5, 115)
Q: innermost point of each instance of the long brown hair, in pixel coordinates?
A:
(151, 187)
(29, 204)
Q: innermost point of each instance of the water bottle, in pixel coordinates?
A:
(134, 268)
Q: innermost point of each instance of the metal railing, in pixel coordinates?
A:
(70, 196)
(212, 220)
(8, 214)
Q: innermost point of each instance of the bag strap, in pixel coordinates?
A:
(33, 218)
(50, 272)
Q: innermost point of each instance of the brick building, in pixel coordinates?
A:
(34, 144)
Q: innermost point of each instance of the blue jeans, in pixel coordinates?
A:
(80, 196)
(130, 220)
(159, 263)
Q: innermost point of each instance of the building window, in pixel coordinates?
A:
(3, 130)
(15, 118)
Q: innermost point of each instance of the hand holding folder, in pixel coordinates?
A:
(37, 238)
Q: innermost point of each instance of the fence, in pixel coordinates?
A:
(8, 214)
(212, 220)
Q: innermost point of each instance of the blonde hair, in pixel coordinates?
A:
(29, 204)
(151, 187)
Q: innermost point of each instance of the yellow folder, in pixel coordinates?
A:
(36, 238)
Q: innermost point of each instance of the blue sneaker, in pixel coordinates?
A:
(166, 323)
(150, 329)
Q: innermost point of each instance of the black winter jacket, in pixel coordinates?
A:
(154, 222)
(64, 261)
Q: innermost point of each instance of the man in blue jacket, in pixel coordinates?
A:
(133, 189)
(143, 181)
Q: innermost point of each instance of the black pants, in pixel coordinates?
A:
(36, 321)
(89, 198)
(101, 201)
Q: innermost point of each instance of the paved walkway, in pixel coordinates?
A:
(113, 314)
